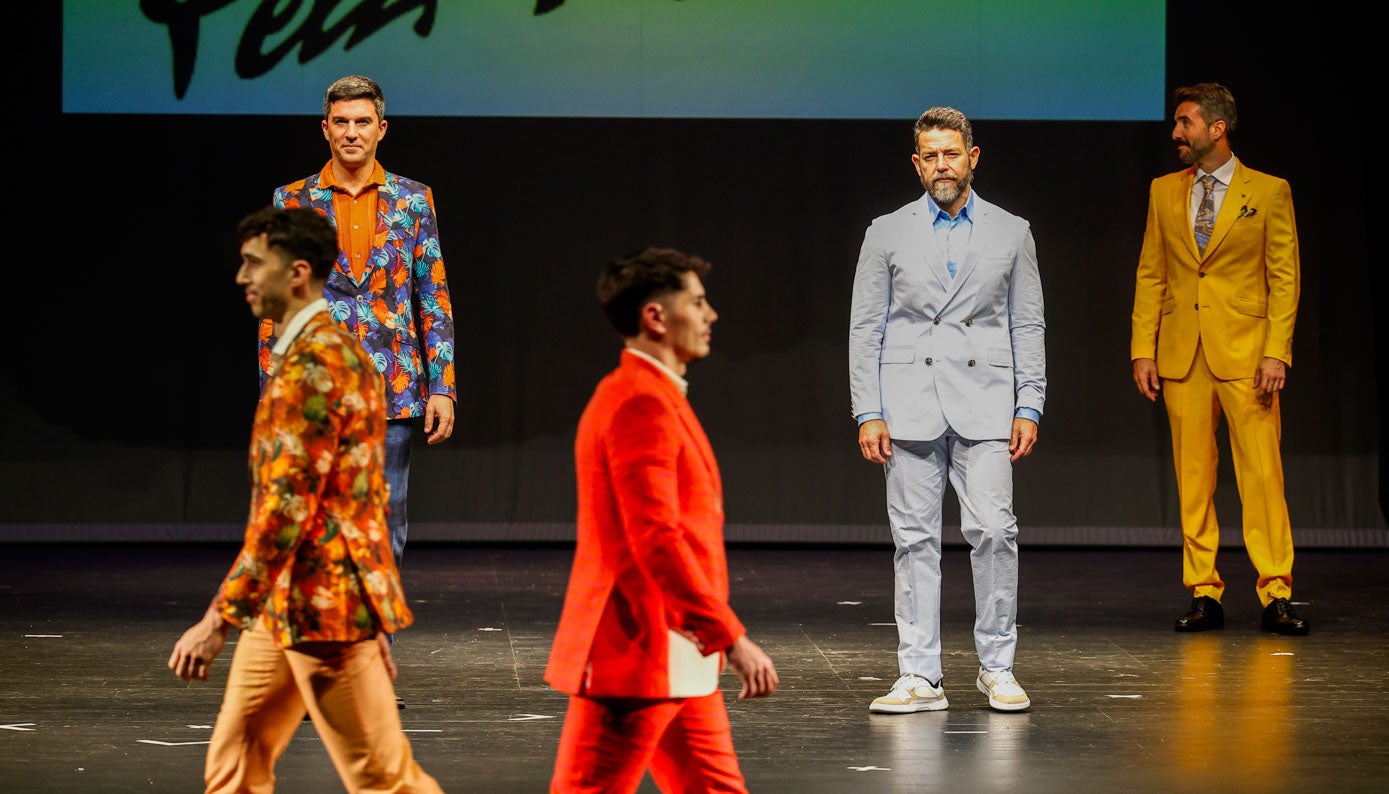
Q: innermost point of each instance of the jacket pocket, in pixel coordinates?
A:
(1169, 305)
(1251, 307)
(898, 355)
(1000, 357)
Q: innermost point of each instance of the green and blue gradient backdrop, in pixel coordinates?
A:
(828, 59)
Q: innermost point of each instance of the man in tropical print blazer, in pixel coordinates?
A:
(388, 287)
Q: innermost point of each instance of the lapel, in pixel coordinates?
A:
(1236, 197)
(693, 429)
(385, 209)
(1181, 207)
(696, 431)
(978, 241)
(321, 199)
(924, 234)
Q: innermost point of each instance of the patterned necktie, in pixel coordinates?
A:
(1205, 215)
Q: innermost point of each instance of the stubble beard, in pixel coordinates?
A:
(1194, 152)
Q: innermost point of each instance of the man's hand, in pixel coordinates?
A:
(438, 417)
(874, 441)
(1269, 379)
(754, 667)
(1023, 439)
(384, 643)
(1146, 378)
(195, 650)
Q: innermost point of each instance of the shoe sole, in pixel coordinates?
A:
(998, 705)
(910, 708)
(1301, 633)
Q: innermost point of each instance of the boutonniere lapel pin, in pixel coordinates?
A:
(1247, 211)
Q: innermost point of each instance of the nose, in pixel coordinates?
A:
(242, 277)
(713, 315)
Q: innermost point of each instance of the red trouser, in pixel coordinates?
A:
(609, 743)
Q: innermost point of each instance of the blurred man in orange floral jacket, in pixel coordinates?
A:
(315, 587)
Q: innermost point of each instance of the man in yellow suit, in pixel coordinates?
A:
(1213, 313)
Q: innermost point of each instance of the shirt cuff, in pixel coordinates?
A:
(868, 416)
(1028, 413)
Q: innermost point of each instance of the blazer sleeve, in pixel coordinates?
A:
(1027, 328)
(432, 296)
(1150, 288)
(872, 298)
(644, 445)
(1283, 272)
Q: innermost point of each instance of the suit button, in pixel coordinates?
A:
(928, 361)
(936, 321)
(1200, 275)
(969, 321)
(1198, 307)
(971, 362)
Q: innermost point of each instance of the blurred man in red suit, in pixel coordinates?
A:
(646, 626)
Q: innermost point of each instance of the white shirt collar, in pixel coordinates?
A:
(1224, 174)
(295, 325)
(680, 383)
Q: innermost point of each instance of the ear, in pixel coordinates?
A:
(383, 129)
(324, 125)
(653, 319)
(1217, 130)
(300, 274)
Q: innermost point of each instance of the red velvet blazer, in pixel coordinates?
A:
(650, 555)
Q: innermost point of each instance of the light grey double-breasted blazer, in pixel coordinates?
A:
(929, 351)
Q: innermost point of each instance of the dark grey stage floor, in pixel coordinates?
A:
(1120, 701)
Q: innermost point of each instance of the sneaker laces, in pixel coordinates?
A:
(1002, 677)
(909, 681)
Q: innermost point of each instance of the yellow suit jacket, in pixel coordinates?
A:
(1239, 299)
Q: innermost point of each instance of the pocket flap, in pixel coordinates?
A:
(1251, 307)
(898, 355)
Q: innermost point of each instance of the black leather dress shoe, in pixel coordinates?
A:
(1280, 618)
(1205, 613)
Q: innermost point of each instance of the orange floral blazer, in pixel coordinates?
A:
(316, 564)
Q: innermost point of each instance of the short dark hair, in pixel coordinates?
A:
(1215, 101)
(943, 118)
(298, 233)
(354, 86)
(628, 283)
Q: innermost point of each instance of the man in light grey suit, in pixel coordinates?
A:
(947, 374)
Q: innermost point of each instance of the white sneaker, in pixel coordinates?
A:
(910, 693)
(1004, 691)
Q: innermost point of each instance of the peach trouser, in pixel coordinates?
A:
(608, 744)
(346, 691)
(1194, 405)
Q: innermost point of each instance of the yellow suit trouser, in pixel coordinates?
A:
(1194, 405)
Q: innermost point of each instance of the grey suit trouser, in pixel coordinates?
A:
(982, 476)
